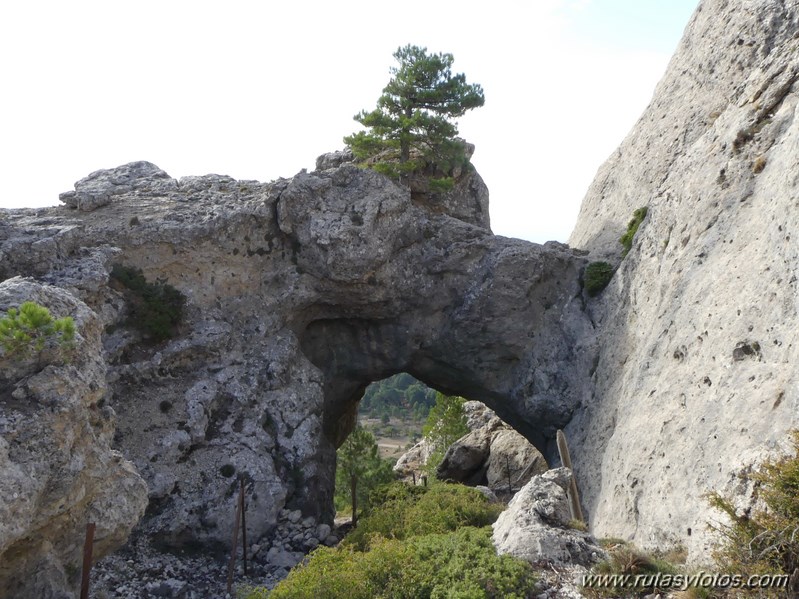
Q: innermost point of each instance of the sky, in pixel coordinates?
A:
(257, 90)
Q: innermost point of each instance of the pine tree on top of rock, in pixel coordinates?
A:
(412, 127)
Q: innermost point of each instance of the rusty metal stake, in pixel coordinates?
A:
(243, 527)
(233, 545)
(88, 546)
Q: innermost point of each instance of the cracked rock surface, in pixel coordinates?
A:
(299, 293)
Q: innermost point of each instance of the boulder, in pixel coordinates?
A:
(536, 525)
(58, 472)
(512, 460)
(492, 454)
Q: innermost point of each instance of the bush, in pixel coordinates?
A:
(765, 541)
(625, 559)
(460, 564)
(154, 309)
(28, 329)
(406, 511)
(597, 276)
(626, 240)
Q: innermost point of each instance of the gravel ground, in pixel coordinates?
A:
(138, 571)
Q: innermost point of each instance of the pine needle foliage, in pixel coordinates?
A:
(26, 330)
(412, 125)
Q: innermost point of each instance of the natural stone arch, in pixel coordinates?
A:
(300, 293)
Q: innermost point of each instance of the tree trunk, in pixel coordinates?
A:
(353, 489)
(405, 144)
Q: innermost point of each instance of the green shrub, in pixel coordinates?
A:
(27, 330)
(406, 511)
(766, 540)
(597, 276)
(626, 240)
(154, 309)
(625, 559)
(461, 564)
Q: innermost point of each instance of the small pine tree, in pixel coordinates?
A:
(412, 125)
(27, 329)
(446, 423)
(360, 469)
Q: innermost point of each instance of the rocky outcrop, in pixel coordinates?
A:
(492, 450)
(492, 454)
(299, 293)
(57, 470)
(536, 526)
(696, 377)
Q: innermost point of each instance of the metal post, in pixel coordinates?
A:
(88, 546)
(233, 546)
(243, 528)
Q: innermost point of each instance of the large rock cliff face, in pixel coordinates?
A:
(57, 470)
(299, 293)
(696, 378)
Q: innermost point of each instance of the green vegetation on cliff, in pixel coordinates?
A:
(766, 539)
(597, 276)
(412, 125)
(626, 240)
(154, 309)
(26, 330)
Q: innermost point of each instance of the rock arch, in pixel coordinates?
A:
(300, 293)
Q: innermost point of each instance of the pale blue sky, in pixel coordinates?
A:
(256, 90)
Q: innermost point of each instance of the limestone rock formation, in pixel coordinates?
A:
(492, 454)
(299, 293)
(535, 526)
(57, 470)
(696, 378)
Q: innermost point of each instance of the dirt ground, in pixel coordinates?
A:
(391, 447)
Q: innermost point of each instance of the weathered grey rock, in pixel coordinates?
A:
(511, 455)
(535, 526)
(465, 459)
(283, 559)
(57, 469)
(411, 464)
(100, 187)
(335, 159)
(299, 293)
(492, 454)
(485, 456)
(488, 494)
(673, 413)
(323, 532)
